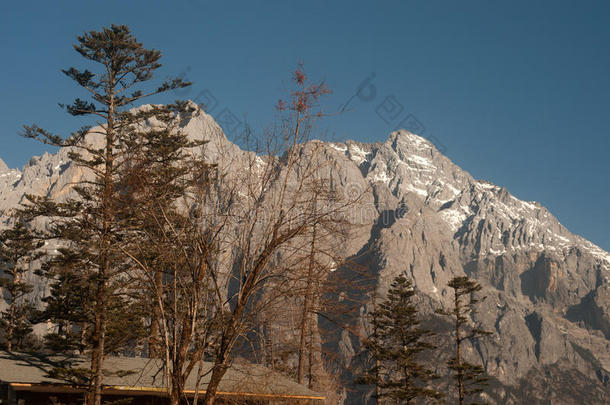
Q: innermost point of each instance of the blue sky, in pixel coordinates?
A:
(516, 93)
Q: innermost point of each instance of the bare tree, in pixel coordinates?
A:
(306, 291)
(271, 207)
(166, 181)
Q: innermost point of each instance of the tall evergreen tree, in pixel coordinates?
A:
(19, 247)
(470, 378)
(397, 346)
(87, 226)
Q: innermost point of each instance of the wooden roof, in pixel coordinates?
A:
(141, 376)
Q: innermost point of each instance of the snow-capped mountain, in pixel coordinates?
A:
(548, 289)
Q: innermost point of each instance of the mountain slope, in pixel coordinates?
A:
(548, 289)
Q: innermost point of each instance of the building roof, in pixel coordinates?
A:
(135, 374)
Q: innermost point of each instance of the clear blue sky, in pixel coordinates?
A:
(517, 93)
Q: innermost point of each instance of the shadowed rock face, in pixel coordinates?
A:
(548, 290)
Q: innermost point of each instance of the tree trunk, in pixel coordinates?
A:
(11, 327)
(458, 351)
(99, 333)
(303, 328)
(222, 355)
(314, 347)
(212, 389)
(310, 360)
(377, 377)
(174, 398)
(306, 309)
(154, 348)
(198, 381)
(98, 348)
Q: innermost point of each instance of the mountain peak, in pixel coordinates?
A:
(402, 136)
(417, 212)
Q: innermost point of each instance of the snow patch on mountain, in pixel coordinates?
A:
(381, 175)
(338, 147)
(451, 221)
(454, 217)
(358, 155)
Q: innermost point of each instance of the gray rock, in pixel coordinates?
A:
(548, 289)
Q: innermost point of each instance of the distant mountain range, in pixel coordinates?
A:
(548, 290)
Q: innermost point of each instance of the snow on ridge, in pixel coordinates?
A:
(381, 176)
(563, 239)
(596, 251)
(352, 151)
(418, 191)
(338, 147)
(486, 185)
(453, 189)
(411, 153)
(357, 155)
(513, 211)
(531, 205)
(416, 140)
(422, 161)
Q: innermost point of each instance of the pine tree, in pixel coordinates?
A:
(87, 226)
(470, 378)
(397, 346)
(19, 247)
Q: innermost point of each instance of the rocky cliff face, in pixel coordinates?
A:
(548, 290)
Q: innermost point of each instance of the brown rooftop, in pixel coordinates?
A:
(137, 376)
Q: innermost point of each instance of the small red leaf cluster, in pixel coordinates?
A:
(307, 94)
(299, 77)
